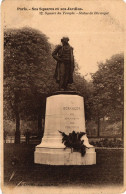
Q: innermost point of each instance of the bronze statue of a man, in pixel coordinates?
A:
(63, 54)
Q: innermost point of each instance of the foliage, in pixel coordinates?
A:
(111, 129)
(103, 95)
(73, 140)
(80, 83)
(86, 89)
(5, 135)
(25, 69)
(114, 143)
(107, 128)
(28, 69)
(108, 88)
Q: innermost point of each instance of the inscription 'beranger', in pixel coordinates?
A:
(71, 108)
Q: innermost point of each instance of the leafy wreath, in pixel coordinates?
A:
(73, 140)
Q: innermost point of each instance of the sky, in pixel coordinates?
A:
(94, 37)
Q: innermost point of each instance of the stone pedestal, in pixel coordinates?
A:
(64, 112)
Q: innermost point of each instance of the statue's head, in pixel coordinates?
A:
(65, 40)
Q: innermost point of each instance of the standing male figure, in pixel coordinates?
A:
(63, 54)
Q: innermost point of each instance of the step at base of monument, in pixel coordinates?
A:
(53, 156)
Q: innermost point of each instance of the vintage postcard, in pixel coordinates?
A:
(63, 96)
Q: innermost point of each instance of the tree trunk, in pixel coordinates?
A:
(41, 116)
(123, 126)
(17, 117)
(98, 122)
(17, 133)
(98, 131)
(40, 132)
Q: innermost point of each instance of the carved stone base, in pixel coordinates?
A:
(65, 113)
(54, 156)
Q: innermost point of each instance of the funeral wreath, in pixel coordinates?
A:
(73, 141)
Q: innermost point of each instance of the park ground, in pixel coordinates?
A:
(20, 169)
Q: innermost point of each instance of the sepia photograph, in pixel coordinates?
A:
(63, 96)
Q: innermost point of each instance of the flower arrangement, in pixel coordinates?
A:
(73, 141)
